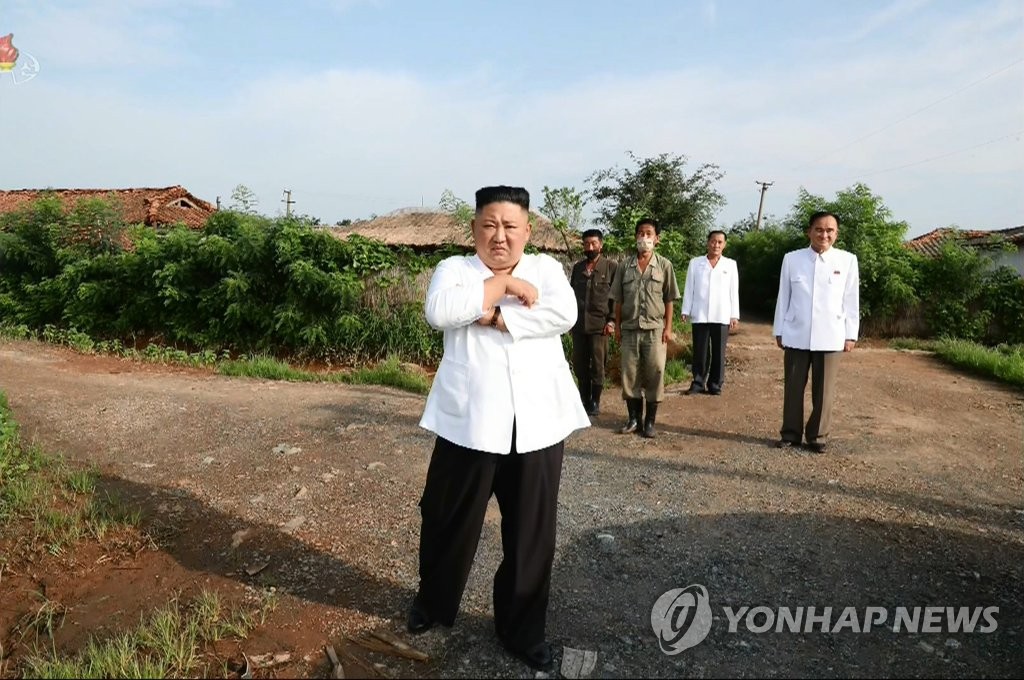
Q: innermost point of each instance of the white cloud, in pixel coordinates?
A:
(887, 16)
(349, 143)
(709, 8)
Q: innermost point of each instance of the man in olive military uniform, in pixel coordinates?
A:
(644, 291)
(591, 279)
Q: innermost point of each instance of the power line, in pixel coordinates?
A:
(945, 155)
(911, 115)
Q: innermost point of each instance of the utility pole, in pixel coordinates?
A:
(760, 206)
(287, 200)
(218, 203)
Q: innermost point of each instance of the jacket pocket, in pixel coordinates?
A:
(452, 382)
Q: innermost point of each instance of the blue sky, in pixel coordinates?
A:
(366, 106)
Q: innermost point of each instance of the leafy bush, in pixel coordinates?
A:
(244, 283)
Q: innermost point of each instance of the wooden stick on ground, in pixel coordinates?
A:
(337, 669)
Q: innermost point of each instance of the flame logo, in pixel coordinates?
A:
(8, 53)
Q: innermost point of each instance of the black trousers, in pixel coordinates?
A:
(588, 361)
(459, 484)
(709, 372)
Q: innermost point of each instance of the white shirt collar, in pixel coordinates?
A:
(825, 256)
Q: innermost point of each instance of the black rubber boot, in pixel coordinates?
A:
(633, 406)
(585, 395)
(652, 413)
(594, 408)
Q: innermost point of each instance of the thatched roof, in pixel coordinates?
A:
(152, 207)
(424, 229)
(930, 244)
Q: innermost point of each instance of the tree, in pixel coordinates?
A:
(244, 200)
(867, 229)
(749, 224)
(659, 188)
(564, 207)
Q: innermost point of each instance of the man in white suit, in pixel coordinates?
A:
(502, 403)
(817, 316)
(711, 301)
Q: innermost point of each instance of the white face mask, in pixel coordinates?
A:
(645, 244)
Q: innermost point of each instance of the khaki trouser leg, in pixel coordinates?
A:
(652, 365)
(629, 359)
(797, 362)
(824, 368)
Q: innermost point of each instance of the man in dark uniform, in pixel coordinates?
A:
(591, 280)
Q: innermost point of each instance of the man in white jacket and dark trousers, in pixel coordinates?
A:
(502, 403)
(817, 316)
(711, 301)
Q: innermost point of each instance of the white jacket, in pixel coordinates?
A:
(711, 294)
(819, 300)
(488, 378)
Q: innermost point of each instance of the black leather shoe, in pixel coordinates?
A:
(714, 392)
(539, 657)
(816, 447)
(785, 444)
(694, 389)
(419, 621)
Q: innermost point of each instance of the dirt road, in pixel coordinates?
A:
(919, 503)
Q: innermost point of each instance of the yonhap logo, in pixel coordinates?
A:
(681, 618)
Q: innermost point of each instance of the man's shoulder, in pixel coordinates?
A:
(456, 261)
(663, 261)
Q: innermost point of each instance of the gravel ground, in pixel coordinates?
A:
(919, 503)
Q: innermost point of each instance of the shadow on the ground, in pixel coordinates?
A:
(991, 515)
(602, 598)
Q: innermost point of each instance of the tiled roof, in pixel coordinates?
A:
(422, 229)
(152, 207)
(930, 244)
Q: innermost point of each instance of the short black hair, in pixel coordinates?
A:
(717, 231)
(822, 213)
(502, 194)
(589, 233)
(647, 220)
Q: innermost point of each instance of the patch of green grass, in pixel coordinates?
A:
(264, 367)
(81, 481)
(913, 343)
(1003, 364)
(58, 500)
(390, 373)
(43, 621)
(107, 511)
(18, 486)
(169, 643)
(676, 371)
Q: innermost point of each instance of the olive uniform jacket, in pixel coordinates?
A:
(594, 304)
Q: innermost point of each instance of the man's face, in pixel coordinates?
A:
(591, 244)
(500, 233)
(822, 233)
(647, 231)
(716, 244)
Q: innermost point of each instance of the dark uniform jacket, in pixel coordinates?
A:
(593, 302)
